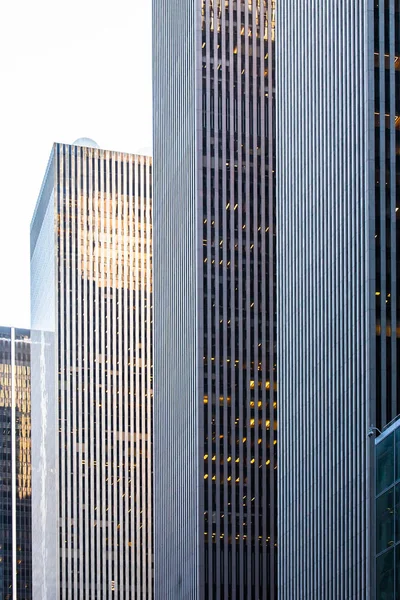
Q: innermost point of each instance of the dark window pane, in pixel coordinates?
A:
(385, 576)
(385, 521)
(397, 516)
(384, 463)
(398, 453)
(397, 570)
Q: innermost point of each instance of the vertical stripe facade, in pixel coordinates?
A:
(337, 285)
(215, 328)
(386, 154)
(15, 463)
(103, 329)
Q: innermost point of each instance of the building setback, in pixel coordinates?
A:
(338, 165)
(91, 303)
(214, 280)
(15, 465)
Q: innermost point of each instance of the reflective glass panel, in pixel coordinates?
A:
(385, 576)
(397, 570)
(385, 521)
(397, 453)
(385, 463)
(397, 514)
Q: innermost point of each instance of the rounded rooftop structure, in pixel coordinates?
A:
(85, 141)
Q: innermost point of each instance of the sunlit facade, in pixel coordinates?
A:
(15, 465)
(91, 302)
(338, 166)
(215, 316)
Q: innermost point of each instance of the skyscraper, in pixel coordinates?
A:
(338, 165)
(15, 465)
(91, 293)
(214, 281)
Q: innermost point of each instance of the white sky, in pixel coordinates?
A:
(72, 69)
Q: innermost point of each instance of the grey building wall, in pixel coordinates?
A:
(91, 289)
(337, 254)
(177, 341)
(214, 274)
(45, 483)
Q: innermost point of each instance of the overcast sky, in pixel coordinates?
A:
(74, 69)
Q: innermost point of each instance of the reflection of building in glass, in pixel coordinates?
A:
(338, 165)
(15, 465)
(91, 255)
(215, 352)
(387, 452)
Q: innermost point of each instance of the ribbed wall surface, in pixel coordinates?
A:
(215, 350)
(325, 296)
(103, 249)
(177, 353)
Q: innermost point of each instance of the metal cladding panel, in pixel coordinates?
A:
(44, 377)
(95, 421)
(176, 307)
(45, 530)
(326, 295)
(215, 347)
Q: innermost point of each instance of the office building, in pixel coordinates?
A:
(387, 452)
(214, 302)
(338, 166)
(15, 465)
(91, 303)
